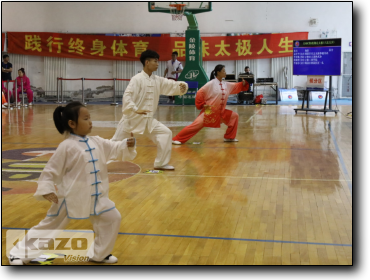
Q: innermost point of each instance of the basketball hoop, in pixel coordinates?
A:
(177, 11)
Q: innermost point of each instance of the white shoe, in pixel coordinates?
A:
(108, 259)
(30, 104)
(168, 101)
(173, 102)
(166, 167)
(4, 106)
(15, 261)
(231, 140)
(176, 142)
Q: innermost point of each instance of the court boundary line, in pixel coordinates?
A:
(210, 237)
(193, 147)
(343, 166)
(190, 175)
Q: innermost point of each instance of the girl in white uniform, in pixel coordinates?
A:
(79, 169)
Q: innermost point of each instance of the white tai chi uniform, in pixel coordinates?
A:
(143, 93)
(173, 66)
(79, 170)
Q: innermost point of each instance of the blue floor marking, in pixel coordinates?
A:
(209, 237)
(346, 175)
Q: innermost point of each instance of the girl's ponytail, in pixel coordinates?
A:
(58, 119)
(218, 68)
(62, 115)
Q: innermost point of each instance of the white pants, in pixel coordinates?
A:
(105, 225)
(161, 136)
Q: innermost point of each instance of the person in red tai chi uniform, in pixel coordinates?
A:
(211, 99)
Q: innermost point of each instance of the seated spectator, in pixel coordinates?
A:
(26, 86)
(247, 71)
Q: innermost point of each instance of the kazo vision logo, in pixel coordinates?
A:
(192, 74)
(43, 246)
(78, 258)
(290, 97)
(320, 96)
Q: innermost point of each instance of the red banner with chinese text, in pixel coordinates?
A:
(129, 48)
(2, 41)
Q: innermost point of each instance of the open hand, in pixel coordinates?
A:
(142, 112)
(52, 197)
(243, 82)
(131, 141)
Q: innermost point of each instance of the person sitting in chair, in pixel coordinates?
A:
(250, 81)
(26, 86)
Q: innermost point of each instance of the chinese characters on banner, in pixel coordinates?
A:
(130, 48)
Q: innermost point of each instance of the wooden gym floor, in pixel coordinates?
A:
(282, 195)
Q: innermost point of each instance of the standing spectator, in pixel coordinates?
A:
(174, 67)
(26, 86)
(6, 69)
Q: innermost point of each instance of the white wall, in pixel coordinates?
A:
(88, 68)
(133, 17)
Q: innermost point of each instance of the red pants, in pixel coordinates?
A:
(29, 94)
(187, 132)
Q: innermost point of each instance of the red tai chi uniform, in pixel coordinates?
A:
(215, 94)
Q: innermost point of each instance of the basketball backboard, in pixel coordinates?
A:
(193, 7)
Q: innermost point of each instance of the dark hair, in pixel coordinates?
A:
(218, 68)
(22, 70)
(148, 54)
(246, 67)
(176, 53)
(5, 56)
(62, 115)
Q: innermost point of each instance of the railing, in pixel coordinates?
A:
(60, 95)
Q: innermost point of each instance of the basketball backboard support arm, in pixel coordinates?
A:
(193, 70)
(193, 24)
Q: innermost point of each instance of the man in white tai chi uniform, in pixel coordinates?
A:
(139, 104)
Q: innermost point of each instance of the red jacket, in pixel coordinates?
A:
(26, 83)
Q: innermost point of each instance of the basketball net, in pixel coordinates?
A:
(177, 11)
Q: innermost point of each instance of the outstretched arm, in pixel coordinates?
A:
(170, 87)
(238, 87)
(123, 150)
